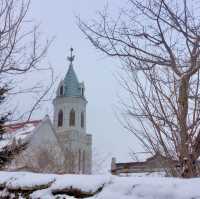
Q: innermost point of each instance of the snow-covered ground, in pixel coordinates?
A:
(51, 186)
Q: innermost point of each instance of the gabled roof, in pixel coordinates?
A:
(33, 135)
(27, 126)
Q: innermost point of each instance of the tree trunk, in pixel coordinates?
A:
(186, 157)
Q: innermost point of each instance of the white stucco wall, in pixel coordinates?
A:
(74, 139)
(66, 104)
(43, 153)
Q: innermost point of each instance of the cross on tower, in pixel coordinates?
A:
(71, 58)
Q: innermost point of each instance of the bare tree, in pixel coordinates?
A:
(158, 42)
(21, 53)
(21, 50)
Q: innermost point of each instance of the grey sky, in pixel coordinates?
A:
(57, 18)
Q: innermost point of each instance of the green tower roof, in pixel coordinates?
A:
(72, 87)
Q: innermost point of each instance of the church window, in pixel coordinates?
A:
(83, 169)
(72, 118)
(60, 118)
(61, 91)
(82, 91)
(79, 160)
(82, 120)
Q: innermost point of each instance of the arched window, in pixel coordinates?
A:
(72, 118)
(60, 118)
(61, 91)
(83, 169)
(82, 120)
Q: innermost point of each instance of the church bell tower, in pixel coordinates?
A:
(70, 121)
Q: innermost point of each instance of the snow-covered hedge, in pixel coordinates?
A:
(49, 186)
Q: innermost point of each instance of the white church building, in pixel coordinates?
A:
(59, 147)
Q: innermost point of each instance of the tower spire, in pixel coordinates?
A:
(71, 57)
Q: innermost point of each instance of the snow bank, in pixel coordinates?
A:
(151, 188)
(87, 183)
(50, 186)
(29, 181)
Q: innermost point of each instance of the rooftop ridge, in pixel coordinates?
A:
(20, 124)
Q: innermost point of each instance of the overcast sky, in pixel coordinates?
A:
(58, 18)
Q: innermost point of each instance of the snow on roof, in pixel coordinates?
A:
(19, 132)
(13, 127)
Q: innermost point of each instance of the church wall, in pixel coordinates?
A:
(43, 153)
(74, 141)
(88, 150)
(66, 104)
